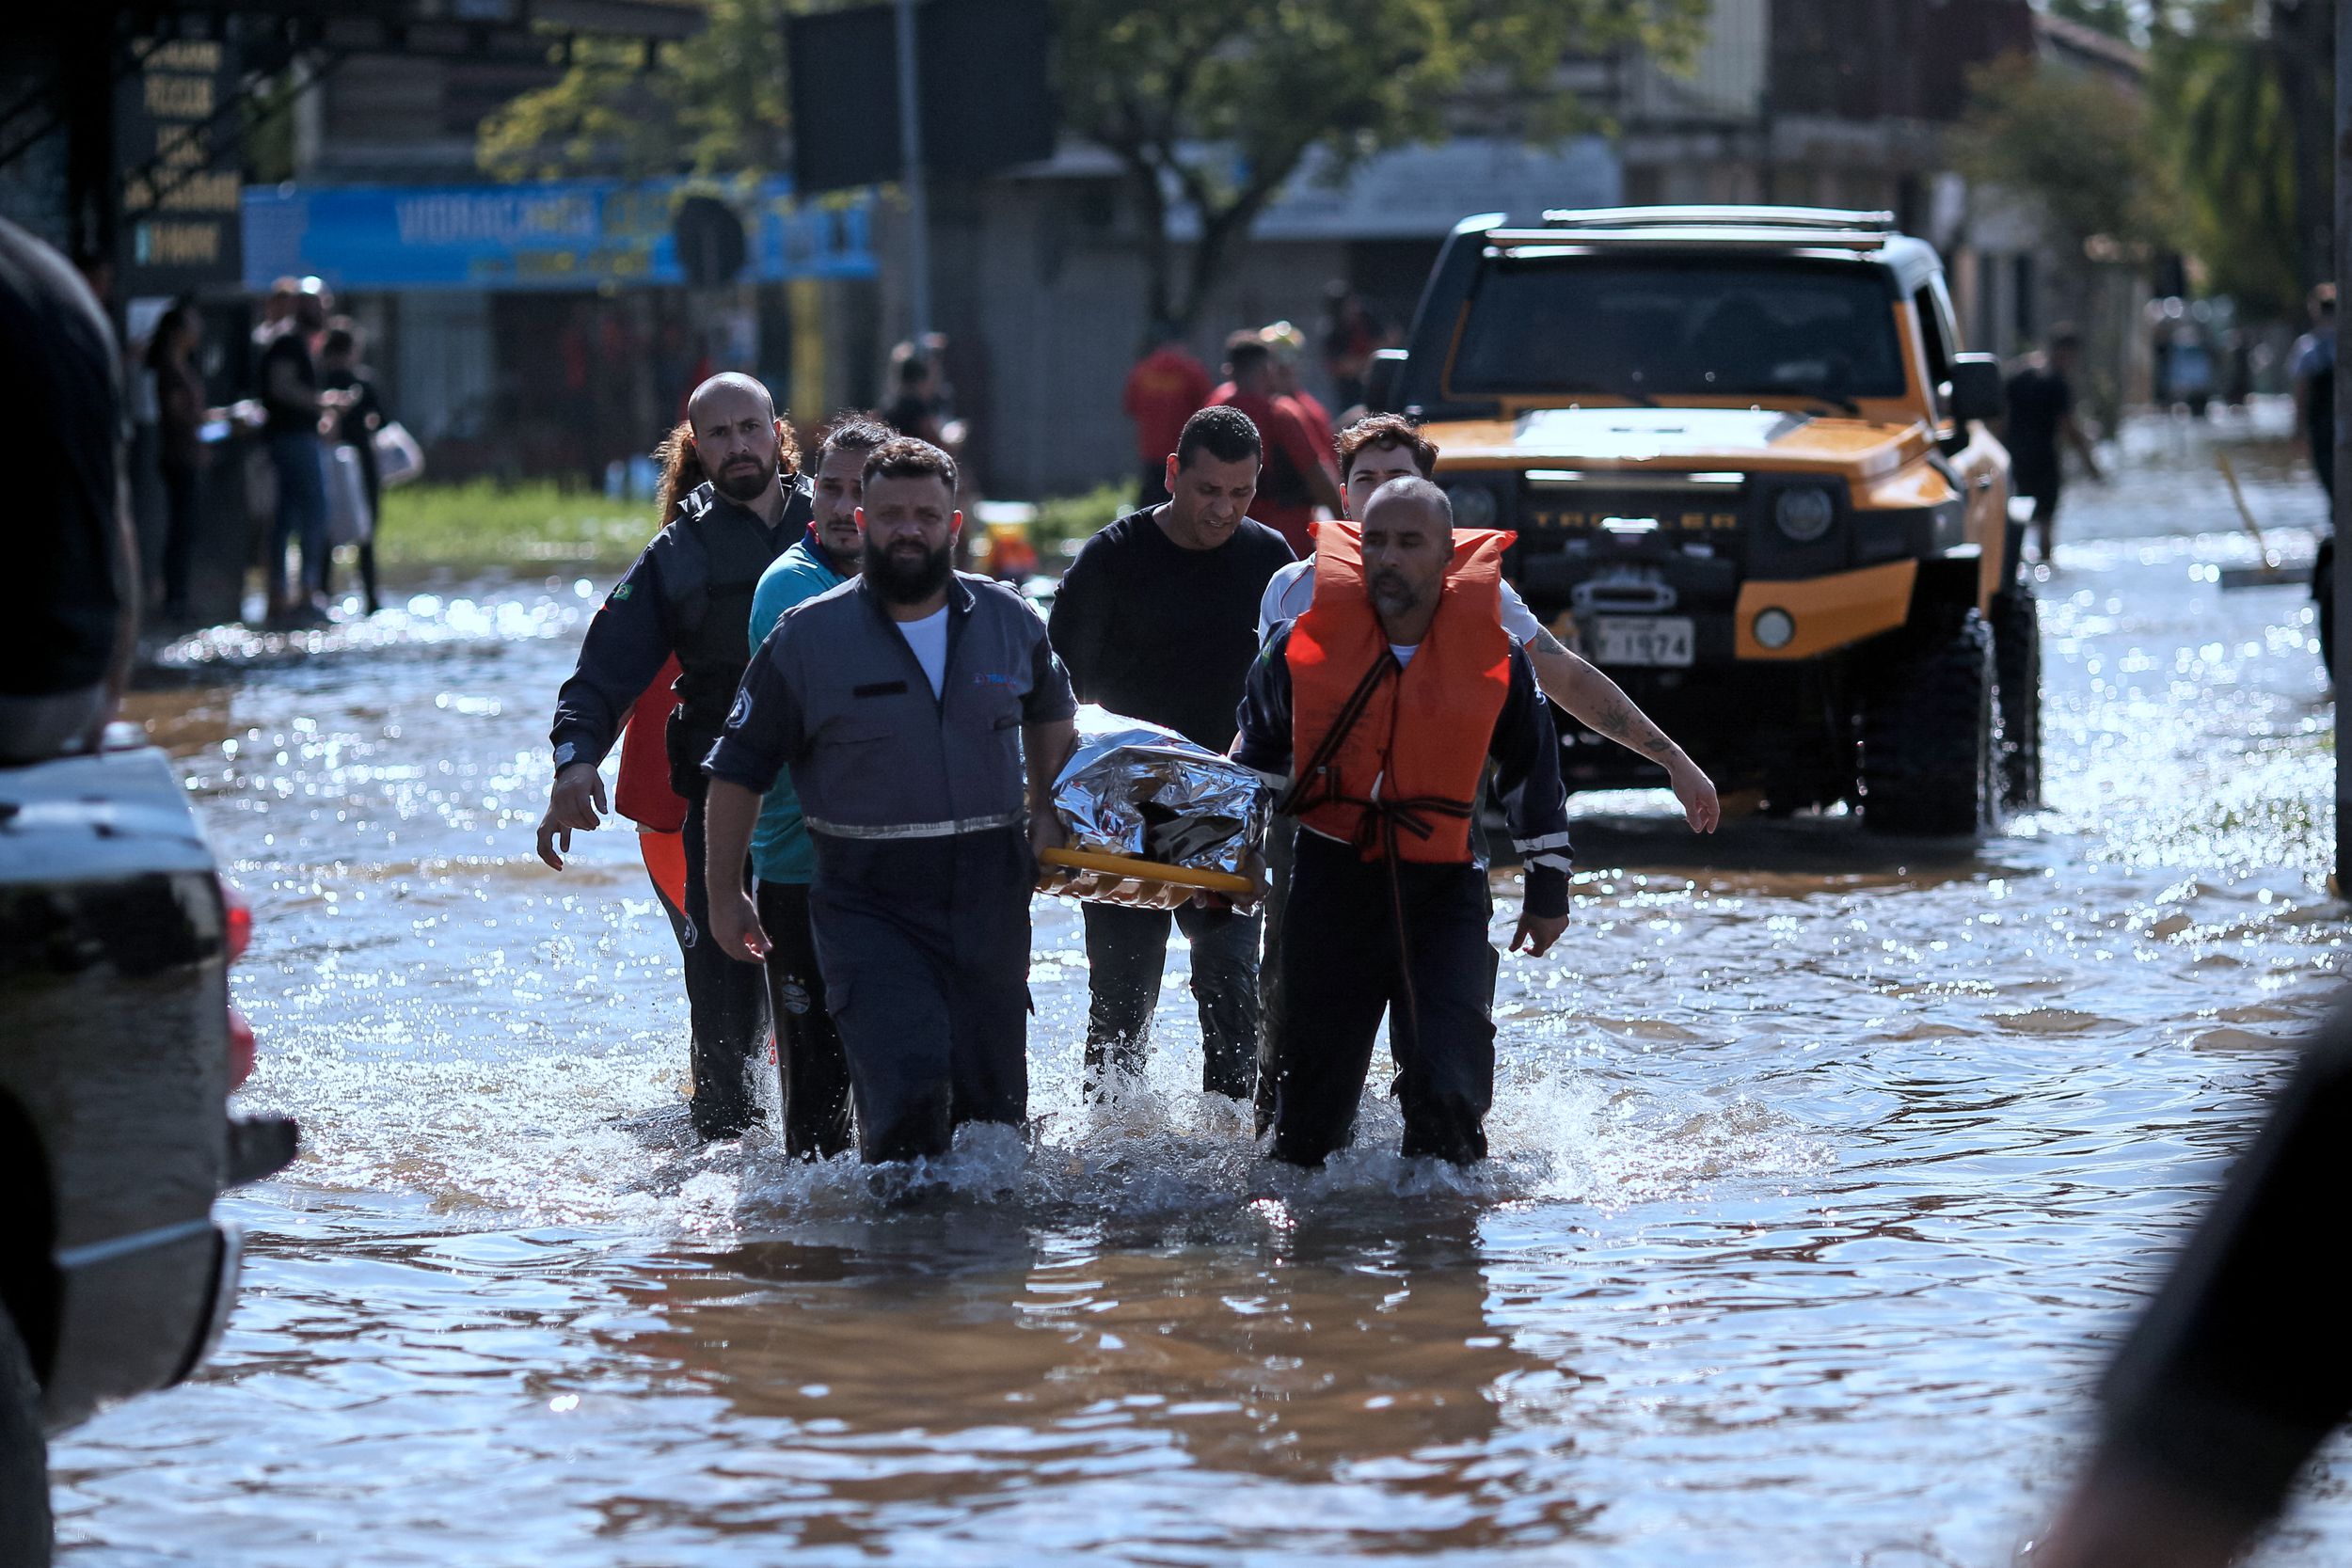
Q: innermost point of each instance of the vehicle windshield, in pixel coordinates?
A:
(1678, 326)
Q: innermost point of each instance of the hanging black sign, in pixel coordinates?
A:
(982, 66)
(176, 148)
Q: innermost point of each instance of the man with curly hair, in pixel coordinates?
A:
(689, 594)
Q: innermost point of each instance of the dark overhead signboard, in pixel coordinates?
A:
(183, 200)
(986, 98)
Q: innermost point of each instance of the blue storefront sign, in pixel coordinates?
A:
(554, 234)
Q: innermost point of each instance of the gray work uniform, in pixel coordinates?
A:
(917, 808)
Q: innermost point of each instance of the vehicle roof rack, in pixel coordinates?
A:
(1843, 220)
(1775, 237)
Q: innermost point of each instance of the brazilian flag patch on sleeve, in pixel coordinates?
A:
(622, 593)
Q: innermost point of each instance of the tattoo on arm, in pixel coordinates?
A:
(1621, 721)
(1613, 718)
(1601, 704)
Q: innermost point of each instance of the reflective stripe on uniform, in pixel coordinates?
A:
(918, 830)
(1540, 851)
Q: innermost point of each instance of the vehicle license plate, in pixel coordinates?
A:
(1641, 640)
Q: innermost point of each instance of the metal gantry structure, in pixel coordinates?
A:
(68, 66)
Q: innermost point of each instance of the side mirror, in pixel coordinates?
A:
(1977, 392)
(1380, 379)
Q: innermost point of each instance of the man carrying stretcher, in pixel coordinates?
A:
(1379, 707)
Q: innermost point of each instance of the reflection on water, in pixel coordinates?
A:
(1825, 1168)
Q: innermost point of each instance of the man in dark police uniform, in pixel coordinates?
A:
(906, 703)
(689, 594)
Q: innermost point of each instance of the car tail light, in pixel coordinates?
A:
(236, 935)
(239, 1049)
(240, 918)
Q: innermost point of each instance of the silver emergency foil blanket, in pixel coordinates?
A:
(1135, 788)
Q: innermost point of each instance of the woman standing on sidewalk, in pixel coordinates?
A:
(179, 446)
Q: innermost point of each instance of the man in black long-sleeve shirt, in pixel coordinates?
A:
(1379, 706)
(1157, 620)
(689, 594)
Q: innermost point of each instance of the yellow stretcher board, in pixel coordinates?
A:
(1088, 874)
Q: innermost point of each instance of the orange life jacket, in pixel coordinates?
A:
(1386, 759)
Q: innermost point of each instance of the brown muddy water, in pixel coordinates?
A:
(1827, 1171)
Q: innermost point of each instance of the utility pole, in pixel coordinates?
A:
(911, 180)
(2342, 587)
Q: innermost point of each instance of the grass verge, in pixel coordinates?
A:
(1080, 517)
(484, 523)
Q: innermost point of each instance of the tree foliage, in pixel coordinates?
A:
(1215, 104)
(2244, 99)
(2225, 132)
(2073, 144)
(714, 104)
(2114, 18)
(2228, 155)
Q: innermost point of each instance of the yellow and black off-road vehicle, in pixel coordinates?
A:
(1748, 467)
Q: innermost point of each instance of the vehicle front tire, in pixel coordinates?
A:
(2017, 665)
(25, 1530)
(1929, 732)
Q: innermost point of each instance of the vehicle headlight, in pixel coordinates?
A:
(1774, 628)
(1804, 512)
(1473, 506)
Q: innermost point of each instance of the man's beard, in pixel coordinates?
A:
(907, 584)
(744, 484)
(1392, 596)
(846, 558)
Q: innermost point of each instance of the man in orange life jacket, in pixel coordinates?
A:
(1381, 705)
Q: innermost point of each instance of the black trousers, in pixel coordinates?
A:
(726, 1002)
(813, 1071)
(180, 524)
(1127, 952)
(1281, 833)
(1345, 962)
(925, 947)
(1153, 490)
(2041, 488)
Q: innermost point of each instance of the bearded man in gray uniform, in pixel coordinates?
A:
(906, 703)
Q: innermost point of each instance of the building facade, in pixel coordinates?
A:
(1039, 276)
(554, 327)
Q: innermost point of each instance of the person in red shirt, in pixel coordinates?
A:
(1167, 387)
(1300, 471)
(1351, 335)
(1288, 344)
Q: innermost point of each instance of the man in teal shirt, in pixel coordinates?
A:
(813, 1071)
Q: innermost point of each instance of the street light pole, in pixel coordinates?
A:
(2342, 587)
(911, 181)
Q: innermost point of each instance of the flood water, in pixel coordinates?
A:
(1826, 1170)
